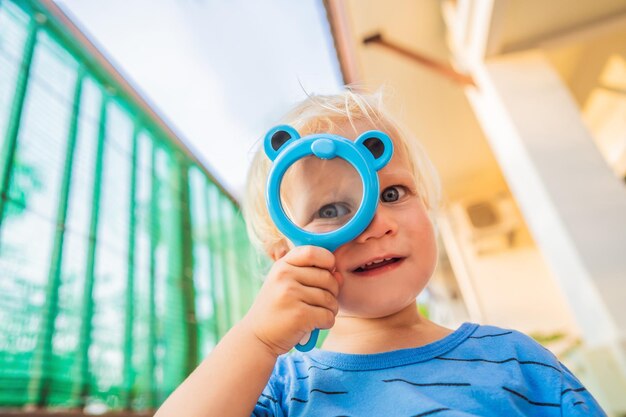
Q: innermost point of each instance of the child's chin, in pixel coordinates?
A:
(372, 309)
(375, 300)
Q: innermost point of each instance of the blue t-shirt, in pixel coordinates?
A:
(475, 371)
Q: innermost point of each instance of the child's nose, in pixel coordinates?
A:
(382, 224)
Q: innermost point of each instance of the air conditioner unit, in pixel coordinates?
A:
(490, 224)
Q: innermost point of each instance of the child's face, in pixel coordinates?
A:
(400, 235)
(401, 230)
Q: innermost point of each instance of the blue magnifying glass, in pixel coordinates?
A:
(323, 189)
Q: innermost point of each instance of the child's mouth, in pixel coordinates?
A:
(377, 264)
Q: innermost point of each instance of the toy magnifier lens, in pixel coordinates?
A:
(322, 189)
(321, 195)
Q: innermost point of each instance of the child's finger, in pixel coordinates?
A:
(317, 278)
(318, 297)
(320, 318)
(310, 256)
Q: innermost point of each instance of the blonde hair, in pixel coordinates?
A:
(323, 113)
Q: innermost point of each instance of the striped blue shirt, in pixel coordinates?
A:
(475, 371)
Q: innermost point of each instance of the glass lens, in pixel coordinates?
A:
(320, 195)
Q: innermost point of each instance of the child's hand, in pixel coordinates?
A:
(299, 295)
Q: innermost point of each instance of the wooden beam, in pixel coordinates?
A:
(440, 68)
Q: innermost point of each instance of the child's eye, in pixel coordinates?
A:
(333, 210)
(393, 193)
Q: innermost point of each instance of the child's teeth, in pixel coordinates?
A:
(378, 261)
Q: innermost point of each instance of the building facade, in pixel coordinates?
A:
(522, 106)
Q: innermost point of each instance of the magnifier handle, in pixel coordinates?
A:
(311, 343)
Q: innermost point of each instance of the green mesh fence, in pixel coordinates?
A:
(122, 262)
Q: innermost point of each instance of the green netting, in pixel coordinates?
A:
(204, 264)
(141, 381)
(122, 262)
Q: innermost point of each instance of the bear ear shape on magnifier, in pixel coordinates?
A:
(276, 139)
(377, 147)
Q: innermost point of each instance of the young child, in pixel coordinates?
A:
(381, 357)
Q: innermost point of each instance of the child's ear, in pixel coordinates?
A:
(276, 138)
(378, 145)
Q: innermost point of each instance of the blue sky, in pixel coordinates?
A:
(219, 72)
